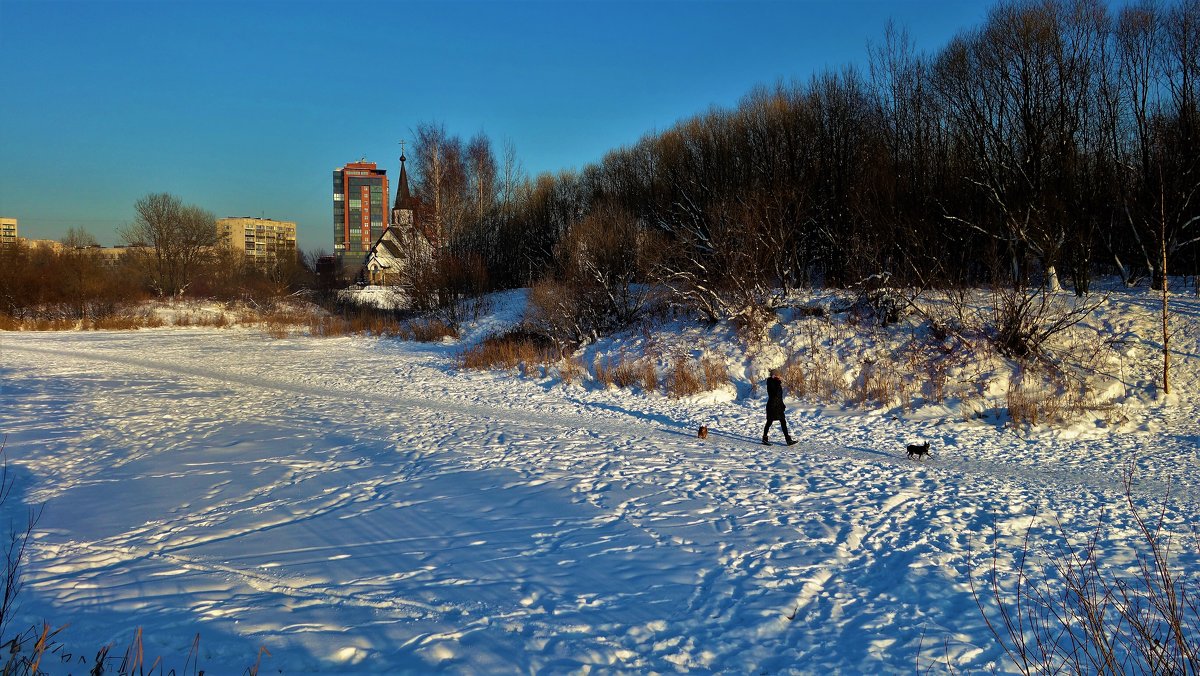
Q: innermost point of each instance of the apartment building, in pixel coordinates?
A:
(8, 231)
(360, 211)
(261, 240)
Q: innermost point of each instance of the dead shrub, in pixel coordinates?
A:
(1065, 608)
(602, 372)
(818, 378)
(810, 311)
(878, 382)
(571, 369)
(600, 259)
(752, 322)
(1032, 403)
(684, 379)
(278, 330)
(516, 349)
(124, 322)
(56, 324)
(715, 374)
(936, 375)
(328, 327)
(647, 375)
(431, 330)
(624, 372)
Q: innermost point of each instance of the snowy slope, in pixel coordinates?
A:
(359, 506)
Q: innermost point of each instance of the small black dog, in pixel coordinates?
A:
(918, 451)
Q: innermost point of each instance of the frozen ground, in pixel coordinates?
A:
(360, 506)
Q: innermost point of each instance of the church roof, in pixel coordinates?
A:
(404, 198)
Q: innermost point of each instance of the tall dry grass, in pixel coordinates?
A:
(516, 350)
(683, 379)
(689, 376)
(572, 370)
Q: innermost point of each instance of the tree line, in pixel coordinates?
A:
(1057, 141)
(173, 250)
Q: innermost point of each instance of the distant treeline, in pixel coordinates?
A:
(1059, 139)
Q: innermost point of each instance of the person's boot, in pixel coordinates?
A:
(791, 441)
(765, 442)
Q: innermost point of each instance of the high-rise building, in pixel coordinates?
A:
(360, 211)
(260, 239)
(8, 231)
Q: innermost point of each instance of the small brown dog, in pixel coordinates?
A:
(703, 433)
(918, 451)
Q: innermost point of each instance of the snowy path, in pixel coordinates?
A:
(356, 506)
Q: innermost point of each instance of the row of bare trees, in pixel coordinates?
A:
(173, 250)
(1057, 140)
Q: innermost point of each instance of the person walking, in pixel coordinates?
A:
(775, 408)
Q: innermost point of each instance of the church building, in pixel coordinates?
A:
(403, 245)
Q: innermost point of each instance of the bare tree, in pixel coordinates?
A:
(481, 175)
(1020, 91)
(179, 237)
(441, 180)
(512, 175)
(78, 238)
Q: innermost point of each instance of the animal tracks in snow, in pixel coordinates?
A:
(430, 521)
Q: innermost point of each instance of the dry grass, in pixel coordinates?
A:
(516, 350)
(122, 323)
(818, 378)
(602, 371)
(203, 319)
(572, 370)
(648, 376)
(714, 373)
(333, 326)
(879, 382)
(39, 650)
(624, 372)
(430, 330)
(1038, 395)
(277, 330)
(685, 378)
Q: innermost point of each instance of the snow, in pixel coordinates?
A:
(281, 493)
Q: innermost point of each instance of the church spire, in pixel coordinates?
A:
(403, 196)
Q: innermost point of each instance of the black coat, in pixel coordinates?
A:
(774, 398)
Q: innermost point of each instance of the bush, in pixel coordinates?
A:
(877, 382)
(515, 349)
(689, 376)
(594, 290)
(571, 369)
(1075, 615)
(429, 330)
(818, 378)
(684, 380)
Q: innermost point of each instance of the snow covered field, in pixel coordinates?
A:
(360, 506)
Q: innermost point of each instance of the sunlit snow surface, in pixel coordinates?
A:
(360, 506)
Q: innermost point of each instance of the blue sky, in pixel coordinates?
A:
(245, 108)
